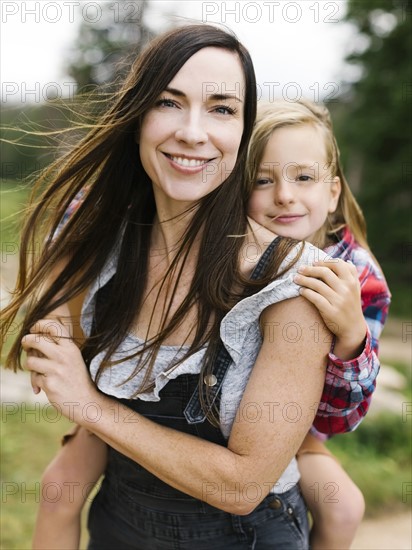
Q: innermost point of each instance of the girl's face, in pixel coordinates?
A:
(190, 139)
(294, 190)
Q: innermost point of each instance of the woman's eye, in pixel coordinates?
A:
(165, 102)
(225, 110)
(303, 177)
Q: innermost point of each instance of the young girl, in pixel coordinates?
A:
(81, 461)
(299, 191)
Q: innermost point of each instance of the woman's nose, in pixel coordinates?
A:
(192, 130)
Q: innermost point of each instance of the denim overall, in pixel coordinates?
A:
(135, 510)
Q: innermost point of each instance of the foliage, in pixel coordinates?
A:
(377, 457)
(102, 50)
(23, 152)
(373, 125)
(98, 60)
(13, 200)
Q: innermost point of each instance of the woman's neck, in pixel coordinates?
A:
(168, 234)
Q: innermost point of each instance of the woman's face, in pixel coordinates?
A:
(190, 139)
(294, 191)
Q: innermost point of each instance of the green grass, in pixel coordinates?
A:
(28, 441)
(13, 200)
(401, 304)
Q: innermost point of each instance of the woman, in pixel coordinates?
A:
(160, 251)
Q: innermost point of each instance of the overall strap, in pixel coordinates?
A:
(193, 412)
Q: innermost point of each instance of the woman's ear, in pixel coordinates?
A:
(335, 191)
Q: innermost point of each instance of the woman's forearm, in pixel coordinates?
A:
(204, 470)
(192, 465)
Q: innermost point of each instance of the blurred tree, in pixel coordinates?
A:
(110, 32)
(374, 126)
(104, 45)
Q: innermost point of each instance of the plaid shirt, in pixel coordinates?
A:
(349, 384)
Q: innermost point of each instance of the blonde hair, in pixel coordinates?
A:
(278, 114)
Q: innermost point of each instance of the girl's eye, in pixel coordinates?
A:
(165, 102)
(262, 181)
(303, 177)
(225, 110)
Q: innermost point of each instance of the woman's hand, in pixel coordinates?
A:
(57, 367)
(333, 287)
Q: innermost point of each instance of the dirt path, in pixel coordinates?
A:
(385, 533)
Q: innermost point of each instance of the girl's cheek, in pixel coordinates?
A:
(255, 207)
(252, 206)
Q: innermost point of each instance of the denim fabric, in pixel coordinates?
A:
(134, 510)
(117, 522)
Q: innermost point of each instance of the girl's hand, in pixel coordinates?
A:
(333, 287)
(57, 368)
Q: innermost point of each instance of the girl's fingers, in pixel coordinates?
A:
(321, 273)
(324, 307)
(341, 268)
(317, 285)
(341, 279)
(318, 300)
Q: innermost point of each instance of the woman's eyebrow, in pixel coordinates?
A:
(175, 91)
(212, 97)
(224, 97)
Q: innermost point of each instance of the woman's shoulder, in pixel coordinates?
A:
(246, 314)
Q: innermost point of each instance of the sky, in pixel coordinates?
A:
(297, 47)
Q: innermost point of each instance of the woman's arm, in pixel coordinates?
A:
(285, 373)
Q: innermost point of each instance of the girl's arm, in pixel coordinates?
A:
(74, 471)
(344, 298)
(284, 371)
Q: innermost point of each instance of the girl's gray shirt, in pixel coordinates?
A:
(240, 333)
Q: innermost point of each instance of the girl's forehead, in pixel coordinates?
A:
(299, 136)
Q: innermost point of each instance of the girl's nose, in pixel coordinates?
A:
(283, 193)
